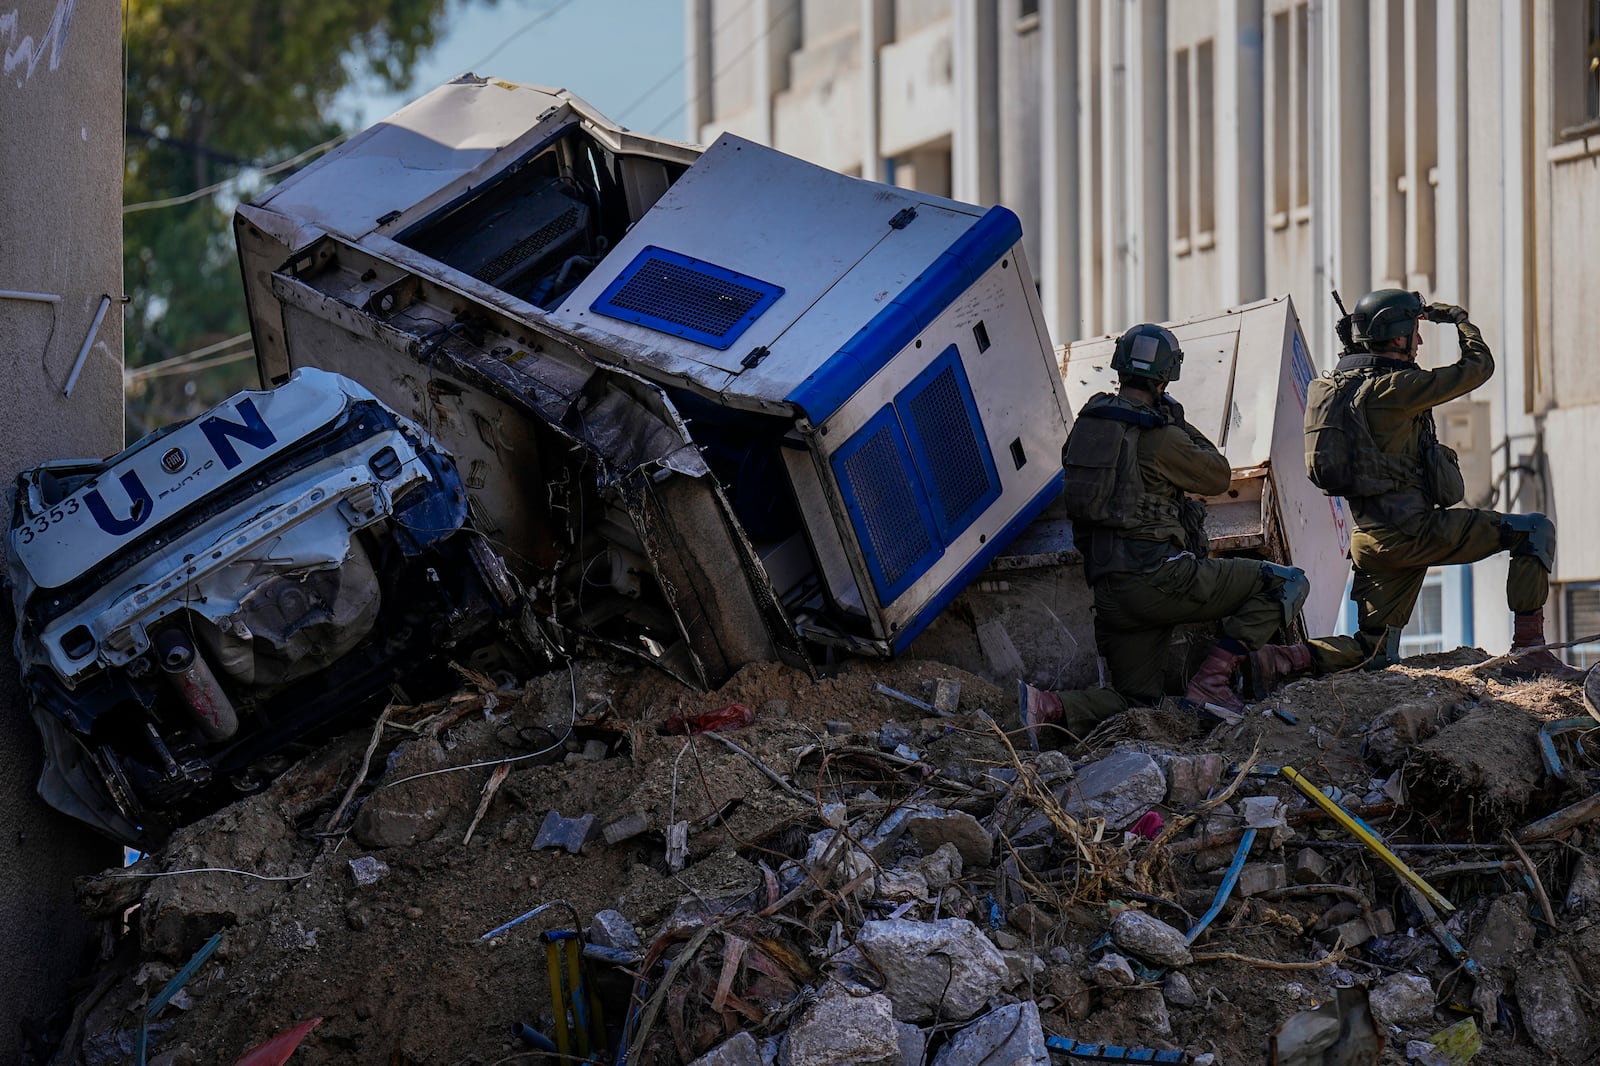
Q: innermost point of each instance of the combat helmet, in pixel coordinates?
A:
(1384, 315)
(1148, 351)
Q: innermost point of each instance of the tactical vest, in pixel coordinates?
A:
(1118, 523)
(1342, 458)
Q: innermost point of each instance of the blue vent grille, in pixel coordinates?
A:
(881, 481)
(686, 297)
(941, 422)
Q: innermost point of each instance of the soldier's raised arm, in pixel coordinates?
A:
(1415, 391)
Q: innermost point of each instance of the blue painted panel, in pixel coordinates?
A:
(686, 297)
(887, 506)
(976, 565)
(948, 444)
(909, 313)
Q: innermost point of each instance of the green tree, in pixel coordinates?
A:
(217, 90)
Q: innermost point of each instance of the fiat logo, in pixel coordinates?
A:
(174, 461)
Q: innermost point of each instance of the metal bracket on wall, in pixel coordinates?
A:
(94, 328)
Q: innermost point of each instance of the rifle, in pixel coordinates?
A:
(1342, 327)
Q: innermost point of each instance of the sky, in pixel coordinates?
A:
(626, 57)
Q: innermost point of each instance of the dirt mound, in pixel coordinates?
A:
(360, 886)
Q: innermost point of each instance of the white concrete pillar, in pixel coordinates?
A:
(1318, 317)
(700, 40)
(1094, 257)
(1058, 161)
(1241, 159)
(1421, 86)
(1349, 161)
(975, 142)
(877, 29)
(1147, 172)
(1115, 314)
(1450, 276)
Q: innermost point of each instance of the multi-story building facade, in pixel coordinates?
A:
(1172, 158)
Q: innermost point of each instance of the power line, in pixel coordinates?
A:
(199, 359)
(199, 194)
(530, 24)
(669, 75)
(746, 50)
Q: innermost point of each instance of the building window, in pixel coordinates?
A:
(1278, 102)
(1182, 190)
(1205, 130)
(1424, 634)
(1581, 608)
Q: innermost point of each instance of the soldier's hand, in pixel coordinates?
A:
(1172, 408)
(1445, 313)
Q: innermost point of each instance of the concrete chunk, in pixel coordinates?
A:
(1552, 1010)
(933, 827)
(611, 929)
(1190, 778)
(625, 828)
(1010, 1036)
(368, 870)
(1111, 971)
(1310, 868)
(1147, 1008)
(741, 1050)
(843, 1030)
(945, 968)
(1151, 939)
(1402, 999)
(1118, 788)
(1258, 877)
(569, 833)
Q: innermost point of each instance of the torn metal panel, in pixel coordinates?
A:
(857, 375)
(233, 585)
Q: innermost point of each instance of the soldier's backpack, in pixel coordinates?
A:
(1338, 438)
(1101, 462)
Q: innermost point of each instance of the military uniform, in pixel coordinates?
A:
(1147, 581)
(1400, 533)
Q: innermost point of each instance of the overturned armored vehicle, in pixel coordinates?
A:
(226, 588)
(713, 408)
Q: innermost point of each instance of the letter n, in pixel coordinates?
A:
(253, 432)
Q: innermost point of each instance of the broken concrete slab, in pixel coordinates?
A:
(1118, 788)
(740, 1050)
(1552, 1010)
(1148, 937)
(1021, 967)
(1403, 1000)
(625, 828)
(943, 867)
(945, 969)
(913, 1044)
(841, 1029)
(559, 832)
(933, 827)
(1356, 931)
(1010, 1036)
(379, 825)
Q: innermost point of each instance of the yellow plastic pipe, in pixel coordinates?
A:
(1359, 830)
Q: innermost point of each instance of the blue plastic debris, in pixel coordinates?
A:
(1082, 1052)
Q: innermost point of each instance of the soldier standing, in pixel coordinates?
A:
(1370, 438)
(1131, 460)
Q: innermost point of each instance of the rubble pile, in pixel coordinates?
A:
(869, 868)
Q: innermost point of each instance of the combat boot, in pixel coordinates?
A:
(1036, 707)
(1528, 632)
(1271, 665)
(1212, 684)
(1387, 651)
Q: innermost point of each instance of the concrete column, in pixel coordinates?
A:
(1241, 157)
(61, 155)
(1318, 316)
(1450, 275)
(777, 30)
(1421, 84)
(1349, 160)
(975, 144)
(1059, 191)
(699, 31)
(1093, 255)
(1113, 165)
(877, 29)
(1147, 173)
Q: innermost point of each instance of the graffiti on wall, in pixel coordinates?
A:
(23, 52)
